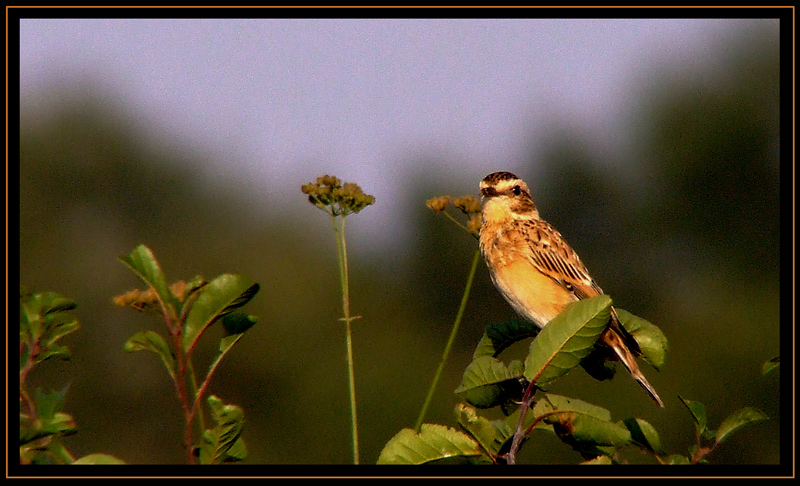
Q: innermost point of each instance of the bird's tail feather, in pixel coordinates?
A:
(616, 342)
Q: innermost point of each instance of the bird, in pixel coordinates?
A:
(535, 269)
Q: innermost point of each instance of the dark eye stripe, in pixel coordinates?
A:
(488, 191)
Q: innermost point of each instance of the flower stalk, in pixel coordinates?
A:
(472, 208)
(339, 200)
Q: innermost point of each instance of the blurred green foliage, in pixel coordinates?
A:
(682, 229)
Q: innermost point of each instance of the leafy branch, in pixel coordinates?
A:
(46, 318)
(189, 309)
(516, 389)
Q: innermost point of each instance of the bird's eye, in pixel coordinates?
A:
(516, 190)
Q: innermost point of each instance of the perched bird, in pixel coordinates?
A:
(537, 272)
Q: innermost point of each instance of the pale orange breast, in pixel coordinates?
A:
(533, 295)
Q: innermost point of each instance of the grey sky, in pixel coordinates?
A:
(279, 102)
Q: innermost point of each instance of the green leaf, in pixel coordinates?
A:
(58, 453)
(50, 419)
(434, 443)
(238, 322)
(58, 325)
(551, 403)
(567, 339)
(480, 428)
(99, 459)
(54, 351)
(599, 460)
(218, 442)
(225, 345)
(588, 435)
(221, 296)
(677, 459)
(44, 319)
(495, 436)
(644, 435)
(48, 404)
(770, 365)
(651, 340)
(49, 303)
(152, 341)
(500, 335)
(144, 264)
(738, 419)
(54, 303)
(36, 308)
(237, 451)
(598, 366)
(698, 411)
(487, 382)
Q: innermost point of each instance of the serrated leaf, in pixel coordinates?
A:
(434, 443)
(218, 441)
(644, 435)
(651, 340)
(99, 459)
(487, 381)
(144, 264)
(738, 419)
(152, 341)
(218, 298)
(567, 339)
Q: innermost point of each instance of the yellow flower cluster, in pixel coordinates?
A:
(329, 194)
(142, 300)
(468, 205)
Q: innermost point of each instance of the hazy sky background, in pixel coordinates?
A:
(279, 102)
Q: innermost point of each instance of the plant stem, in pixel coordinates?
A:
(197, 395)
(341, 246)
(447, 215)
(450, 340)
(180, 378)
(519, 434)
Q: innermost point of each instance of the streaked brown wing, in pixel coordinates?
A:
(554, 258)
